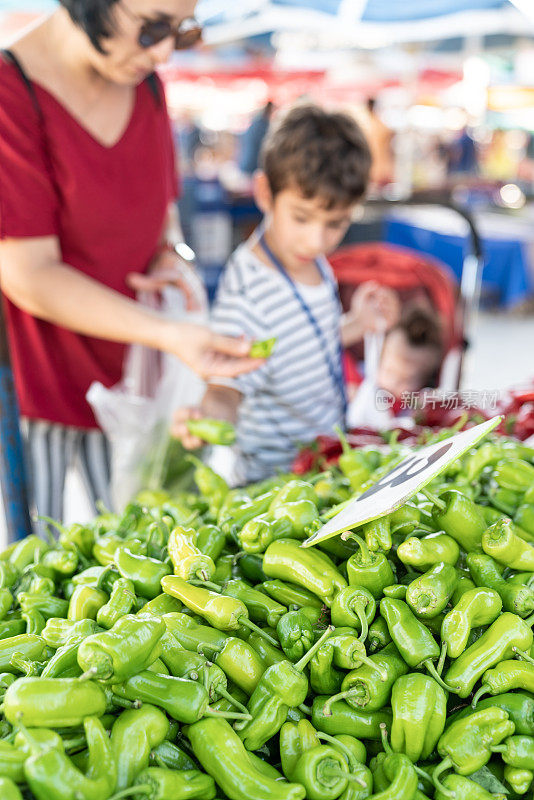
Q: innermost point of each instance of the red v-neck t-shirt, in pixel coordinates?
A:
(106, 205)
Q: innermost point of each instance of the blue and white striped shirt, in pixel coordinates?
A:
(292, 398)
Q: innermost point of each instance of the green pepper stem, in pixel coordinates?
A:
(437, 501)
(210, 712)
(523, 655)
(89, 675)
(367, 558)
(142, 788)
(499, 748)
(530, 620)
(422, 773)
(442, 657)
(299, 666)
(206, 584)
(327, 711)
(325, 737)
(227, 696)
(305, 709)
(339, 773)
(370, 663)
(55, 524)
(484, 689)
(384, 736)
(343, 440)
(359, 610)
(253, 627)
(434, 674)
(438, 771)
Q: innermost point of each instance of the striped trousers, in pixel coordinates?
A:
(51, 450)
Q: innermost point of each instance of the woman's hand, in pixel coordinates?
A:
(209, 354)
(180, 430)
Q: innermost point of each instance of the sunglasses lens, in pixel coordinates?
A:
(154, 32)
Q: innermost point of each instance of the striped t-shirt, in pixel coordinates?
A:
(292, 398)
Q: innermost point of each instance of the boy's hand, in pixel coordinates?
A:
(180, 431)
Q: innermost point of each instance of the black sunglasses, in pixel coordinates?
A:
(153, 31)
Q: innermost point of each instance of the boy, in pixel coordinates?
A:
(315, 167)
(412, 353)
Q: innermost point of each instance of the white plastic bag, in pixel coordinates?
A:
(135, 414)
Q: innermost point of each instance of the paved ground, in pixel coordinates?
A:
(501, 354)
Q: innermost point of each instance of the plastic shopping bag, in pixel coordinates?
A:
(135, 414)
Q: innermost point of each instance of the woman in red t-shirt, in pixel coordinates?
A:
(87, 191)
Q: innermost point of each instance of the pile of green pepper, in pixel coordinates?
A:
(191, 648)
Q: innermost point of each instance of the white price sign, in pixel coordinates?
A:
(404, 480)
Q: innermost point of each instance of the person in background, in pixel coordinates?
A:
(380, 139)
(252, 139)
(87, 202)
(409, 361)
(315, 168)
(462, 155)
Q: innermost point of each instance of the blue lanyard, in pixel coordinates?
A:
(335, 370)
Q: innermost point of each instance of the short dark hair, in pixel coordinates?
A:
(93, 17)
(423, 330)
(320, 152)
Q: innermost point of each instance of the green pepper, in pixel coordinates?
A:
(210, 541)
(479, 606)
(289, 594)
(463, 585)
(292, 492)
(295, 739)
(500, 641)
(369, 570)
(322, 771)
(467, 744)
(213, 431)
(515, 474)
(63, 563)
(341, 651)
(400, 777)
(8, 574)
(353, 463)
(258, 533)
(144, 572)
(193, 636)
(28, 551)
(241, 662)
(262, 349)
(484, 571)
(314, 571)
(50, 772)
(369, 686)
(518, 751)
(419, 708)
(250, 567)
(13, 627)
(97, 577)
(131, 645)
(281, 687)
(460, 788)
(12, 761)
(501, 543)
(160, 605)
(167, 754)
(353, 751)
(355, 607)
(58, 632)
(9, 789)
(188, 561)
(222, 612)
(378, 636)
(519, 707)
(46, 604)
(156, 783)
(424, 553)
(505, 676)
(377, 534)
(519, 779)
(295, 632)
(105, 547)
(524, 517)
(120, 602)
(28, 645)
(506, 500)
(184, 700)
(261, 608)
(345, 719)
(222, 755)
(133, 736)
(302, 516)
(460, 518)
(64, 663)
(53, 702)
(429, 593)
(414, 641)
(85, 603)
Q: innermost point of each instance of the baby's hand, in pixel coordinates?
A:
(377, 308)
(179, 428)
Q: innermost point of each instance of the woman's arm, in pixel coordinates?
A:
(34, 278)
